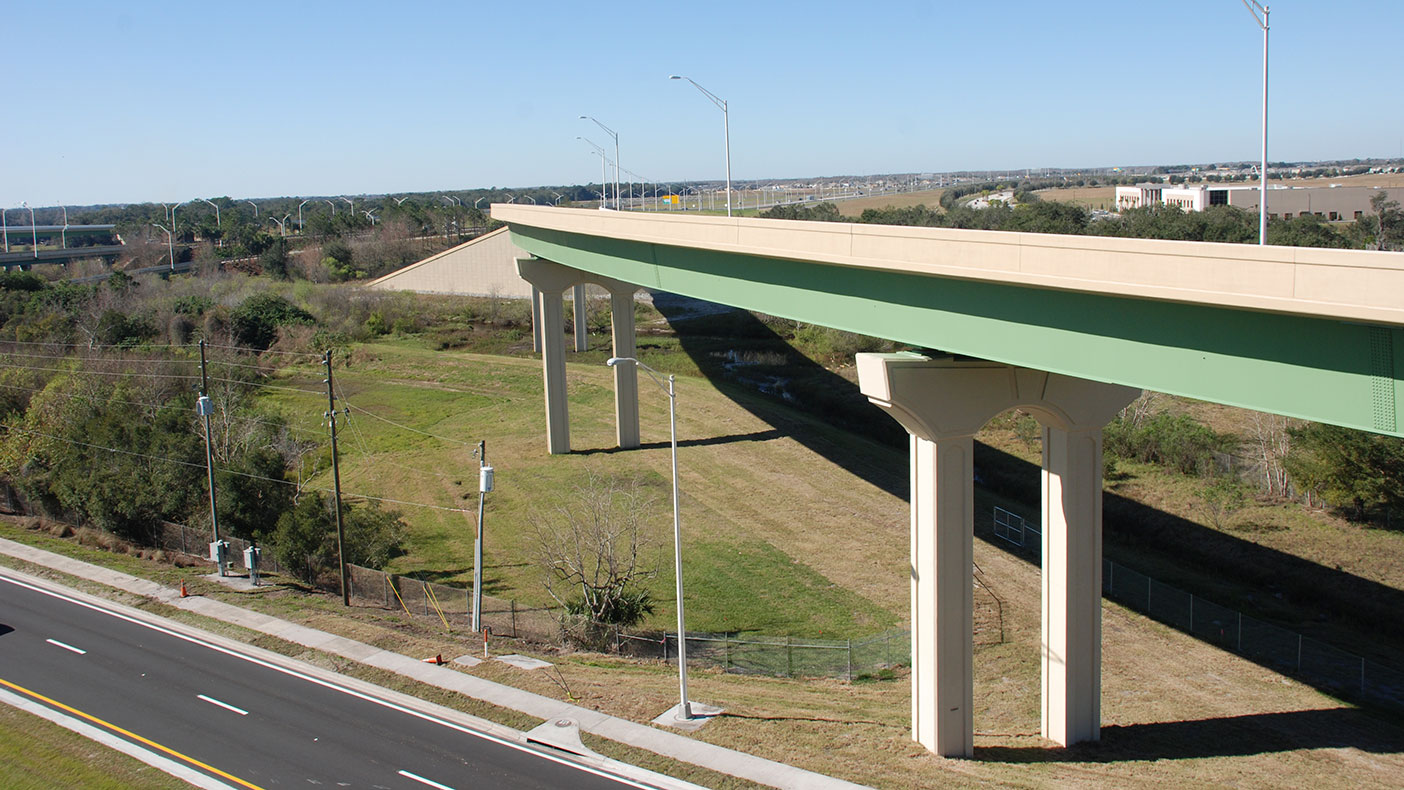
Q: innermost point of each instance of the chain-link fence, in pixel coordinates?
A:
(1326, 667)
(178, 537)
(752, 655)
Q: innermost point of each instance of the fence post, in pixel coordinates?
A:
(1148, 593)
(1111, 578)
(1362, 676)
(1191, 614)
(468, 602)
(1240, 632)
(850, 661)
(1299, 652)
(514, 618)
(789, 657)
(665, 647)
(385, 579)
(727, 648)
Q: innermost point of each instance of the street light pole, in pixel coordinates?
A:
(1254, 7)
(726, 130)
(170, 242)
(33, 230)
(618, 204)
(685, 705)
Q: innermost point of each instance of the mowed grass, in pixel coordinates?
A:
(766, 551)
(36, 754)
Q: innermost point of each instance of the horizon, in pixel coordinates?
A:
(343, 101)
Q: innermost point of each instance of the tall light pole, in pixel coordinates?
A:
(299, 214)
(604, 171)
(726, 130)
(684, 705)
(217, 224)
(170, 242)
(618, 205)
(329, 203)
(255, 205)
(5, 228)
(33, 230)
(63, 236)
(1254, 8)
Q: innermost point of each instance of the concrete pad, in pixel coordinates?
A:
(524, 662)
(701, 714)
(563, 734)
(468, 661)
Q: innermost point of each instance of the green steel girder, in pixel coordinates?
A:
(1319, 369)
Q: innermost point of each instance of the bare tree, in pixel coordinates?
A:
(593, 552)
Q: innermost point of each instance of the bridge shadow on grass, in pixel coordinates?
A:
(5, 629)
(1229, 736)
(757, 436)
(1332, 605)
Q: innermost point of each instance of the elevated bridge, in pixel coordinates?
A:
(1070, 328)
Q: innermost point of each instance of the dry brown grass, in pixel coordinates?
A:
(931, 198)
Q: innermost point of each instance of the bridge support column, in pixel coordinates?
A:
(1072, 585)
(582, 335)
(549, 281)
(942, 403)
(536, 319)
(626, 377)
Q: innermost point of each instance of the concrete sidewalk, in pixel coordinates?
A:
(642, 736)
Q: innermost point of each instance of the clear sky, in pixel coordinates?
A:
(140, 100)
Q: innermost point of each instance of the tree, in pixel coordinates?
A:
(1355, 471)
(1222, 498)
(255, 322)
(1384, 228)
(591, 551)
(305, 539)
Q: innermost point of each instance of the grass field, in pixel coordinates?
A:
(36, 754)
(931, 198)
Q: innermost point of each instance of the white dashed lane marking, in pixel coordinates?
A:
(224, 705)
(66, 647)
(422, 780)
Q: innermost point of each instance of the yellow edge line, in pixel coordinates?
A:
(132, 735)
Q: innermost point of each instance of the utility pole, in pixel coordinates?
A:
(336, 483)
(205, 407)
(484, 486)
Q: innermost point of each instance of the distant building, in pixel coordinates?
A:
(1334, 203)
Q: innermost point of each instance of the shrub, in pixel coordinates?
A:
(255, 322)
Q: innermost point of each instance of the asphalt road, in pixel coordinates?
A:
(259, 725)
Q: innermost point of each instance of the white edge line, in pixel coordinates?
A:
(67, 647)
(418, 778)
(160, 763)
(224, 705)
(327, 684)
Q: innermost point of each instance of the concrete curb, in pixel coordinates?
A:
(642, 736)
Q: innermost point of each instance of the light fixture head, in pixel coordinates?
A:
(674, 77)
(584, 117)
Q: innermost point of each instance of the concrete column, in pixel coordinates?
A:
(943, 515)
(943, 403)
(553, 372)
(535, 319)
(1072, 585)
(550, 280)
(582, 336)
(626, 377)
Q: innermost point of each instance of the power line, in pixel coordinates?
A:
(179, 462)
(354, 407)
(96, 345)
(266, 351)
(104, 372)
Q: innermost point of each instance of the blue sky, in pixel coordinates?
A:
(137, 101)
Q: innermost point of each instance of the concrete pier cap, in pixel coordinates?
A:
(943, 402)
